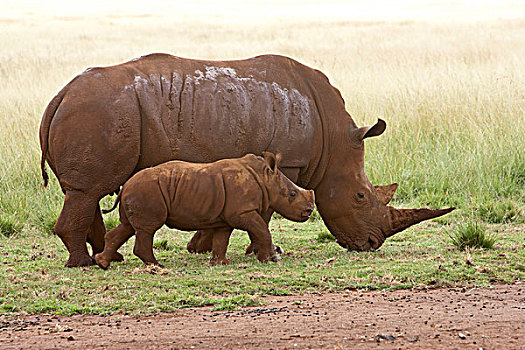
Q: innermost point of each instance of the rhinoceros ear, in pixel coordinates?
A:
(271, 160)
(385, 193)
(362, 133)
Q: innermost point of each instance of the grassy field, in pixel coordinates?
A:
(453, 97)
(34, 280)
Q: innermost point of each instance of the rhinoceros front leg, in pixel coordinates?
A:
(260, 235)
(278, 250)
(73, 225)
(202, 240)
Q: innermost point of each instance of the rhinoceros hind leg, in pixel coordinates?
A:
(96, 236)
(96, 233)
(201, 242)
(144, 246)
(73, 224)
(113, 241)
(221, 238)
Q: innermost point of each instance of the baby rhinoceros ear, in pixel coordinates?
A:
(272, 161)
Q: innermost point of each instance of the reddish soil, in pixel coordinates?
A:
(488, 318)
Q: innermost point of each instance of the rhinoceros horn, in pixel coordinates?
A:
(400, 219)
(386, 192)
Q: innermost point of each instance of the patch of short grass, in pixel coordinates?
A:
(111, 222)
(237, 301)
(325, 236)
(9, 226)
(34, 280)
(47, 224)
(161, 245)
(499, 211)
(472, 235)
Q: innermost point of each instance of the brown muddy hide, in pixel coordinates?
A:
(367, 226)
(286, 198)
(355, 211)
(364, 228)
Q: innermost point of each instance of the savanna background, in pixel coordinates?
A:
(448, 77)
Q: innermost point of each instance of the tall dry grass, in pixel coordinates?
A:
(453, 97)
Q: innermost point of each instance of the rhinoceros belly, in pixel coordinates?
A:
(194, 196)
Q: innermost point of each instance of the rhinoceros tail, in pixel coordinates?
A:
(105, 211)
(44, 130)
(44, 172)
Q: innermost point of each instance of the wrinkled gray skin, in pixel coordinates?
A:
(108, 123)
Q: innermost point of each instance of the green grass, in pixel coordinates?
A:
(325, 236)
(162, 245)
(472, 235)
(9, 226)
(33, 279)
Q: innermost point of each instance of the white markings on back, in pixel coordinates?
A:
(291, 97)
(137, 83)
(140, 80)
(215, 92)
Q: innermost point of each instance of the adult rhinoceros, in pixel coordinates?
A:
(108, 123)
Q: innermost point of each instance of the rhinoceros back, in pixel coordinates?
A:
(203, 111)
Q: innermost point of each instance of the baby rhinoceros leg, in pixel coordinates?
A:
(220, 240)
(113, 241)
(145, 209)
(96, 237)
(259, 234)
(276, 249)
(144, 247)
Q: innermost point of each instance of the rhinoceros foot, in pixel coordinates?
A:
(102, 261)
(219, 261)
(201, 242)
(117, 257)
(264, 255)
(265, 258)
(78, 260)
(277, 249)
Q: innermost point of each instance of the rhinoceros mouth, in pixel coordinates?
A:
(370, 241)
(375, 241)
(370, 245)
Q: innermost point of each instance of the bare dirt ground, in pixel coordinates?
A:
(456, 318)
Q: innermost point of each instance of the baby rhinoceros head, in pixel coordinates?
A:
(286, 198)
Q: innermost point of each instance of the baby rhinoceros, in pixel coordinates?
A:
(227, 194)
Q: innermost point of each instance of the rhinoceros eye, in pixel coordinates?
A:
(293, 194)
(360, 195)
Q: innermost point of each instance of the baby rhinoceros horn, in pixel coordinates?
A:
(401, 219)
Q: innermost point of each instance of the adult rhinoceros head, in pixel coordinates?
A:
(355, 211)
